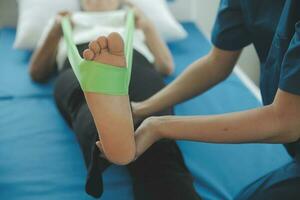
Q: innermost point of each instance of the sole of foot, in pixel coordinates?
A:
(112, 114)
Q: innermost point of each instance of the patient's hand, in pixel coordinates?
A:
(141, 20)
(60, 16)
(112, 114)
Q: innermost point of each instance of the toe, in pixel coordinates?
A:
(115, 44)
(94, 46)
(88, 54)
(102, 41)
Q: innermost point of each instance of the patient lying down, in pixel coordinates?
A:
(160, 173)
(113, 112)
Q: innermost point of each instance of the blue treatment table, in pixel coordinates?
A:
(40, 157)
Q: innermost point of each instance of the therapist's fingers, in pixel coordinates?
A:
(136, 107)
(136, 118)
(142, 141)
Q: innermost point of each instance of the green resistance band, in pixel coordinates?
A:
(97, 77)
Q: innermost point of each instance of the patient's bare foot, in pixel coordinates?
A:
(107, 50)
(112, 114)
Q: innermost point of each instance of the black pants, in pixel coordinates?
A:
(160, 173)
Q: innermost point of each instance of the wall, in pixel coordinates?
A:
(8, 13)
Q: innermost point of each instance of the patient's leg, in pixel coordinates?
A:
(112, 114)
(71, 103)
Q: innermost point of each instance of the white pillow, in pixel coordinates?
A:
(34, 16)
(158, 11)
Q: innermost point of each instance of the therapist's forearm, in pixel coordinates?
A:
(275, 123)
(259, 125)
(196, 79)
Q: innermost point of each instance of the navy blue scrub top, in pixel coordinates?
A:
(273, 26)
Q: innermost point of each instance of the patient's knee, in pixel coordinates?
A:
(121, 158)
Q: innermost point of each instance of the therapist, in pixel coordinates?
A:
(274, 29)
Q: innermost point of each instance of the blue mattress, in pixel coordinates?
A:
(40, 158)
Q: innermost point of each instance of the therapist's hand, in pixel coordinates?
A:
(136, 112)
(140, 111)
(147, 134)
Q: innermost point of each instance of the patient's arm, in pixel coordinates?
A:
(112, 114)
(162, 55)
(42, 63)
(163, 58)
